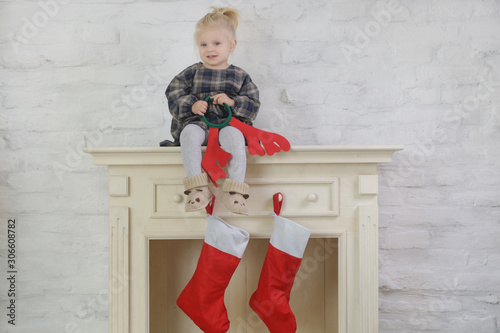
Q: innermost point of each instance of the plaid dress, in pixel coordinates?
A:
(196, 83)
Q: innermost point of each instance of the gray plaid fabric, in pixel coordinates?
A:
(197, 82)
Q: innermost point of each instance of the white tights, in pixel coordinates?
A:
(231, 140)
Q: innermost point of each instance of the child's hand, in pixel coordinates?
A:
(199, 108)
(223, 98)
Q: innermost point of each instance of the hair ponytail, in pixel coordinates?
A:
(226, 16)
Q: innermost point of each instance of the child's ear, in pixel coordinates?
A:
(233, 44)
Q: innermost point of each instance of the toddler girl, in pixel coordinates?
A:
(213, 77)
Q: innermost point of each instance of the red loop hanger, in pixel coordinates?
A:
(277, 202)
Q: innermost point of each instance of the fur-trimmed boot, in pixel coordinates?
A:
(197, 191)
(235, 195)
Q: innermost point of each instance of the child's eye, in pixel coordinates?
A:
(217, 43)
(203, 45)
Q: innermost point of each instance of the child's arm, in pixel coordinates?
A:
(246, 103)
(180, 99)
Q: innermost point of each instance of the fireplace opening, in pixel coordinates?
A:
(314, 297)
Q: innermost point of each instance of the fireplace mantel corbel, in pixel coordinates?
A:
(332, 190)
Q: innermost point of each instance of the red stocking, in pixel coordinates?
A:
(203, 297)
(284, 255)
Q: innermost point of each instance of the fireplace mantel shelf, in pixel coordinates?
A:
(297, 154)
(332, 190)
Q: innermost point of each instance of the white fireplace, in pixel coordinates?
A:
(155, 244)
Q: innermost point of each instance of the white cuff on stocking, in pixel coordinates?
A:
(289, 236)
(225, 237)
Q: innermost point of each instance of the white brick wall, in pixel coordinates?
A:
(425, 74)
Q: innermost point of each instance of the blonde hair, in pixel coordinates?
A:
(220, 16)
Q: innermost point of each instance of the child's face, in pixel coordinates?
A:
(215, 47)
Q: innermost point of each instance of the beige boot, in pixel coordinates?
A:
(198, 194)
(235, 195)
